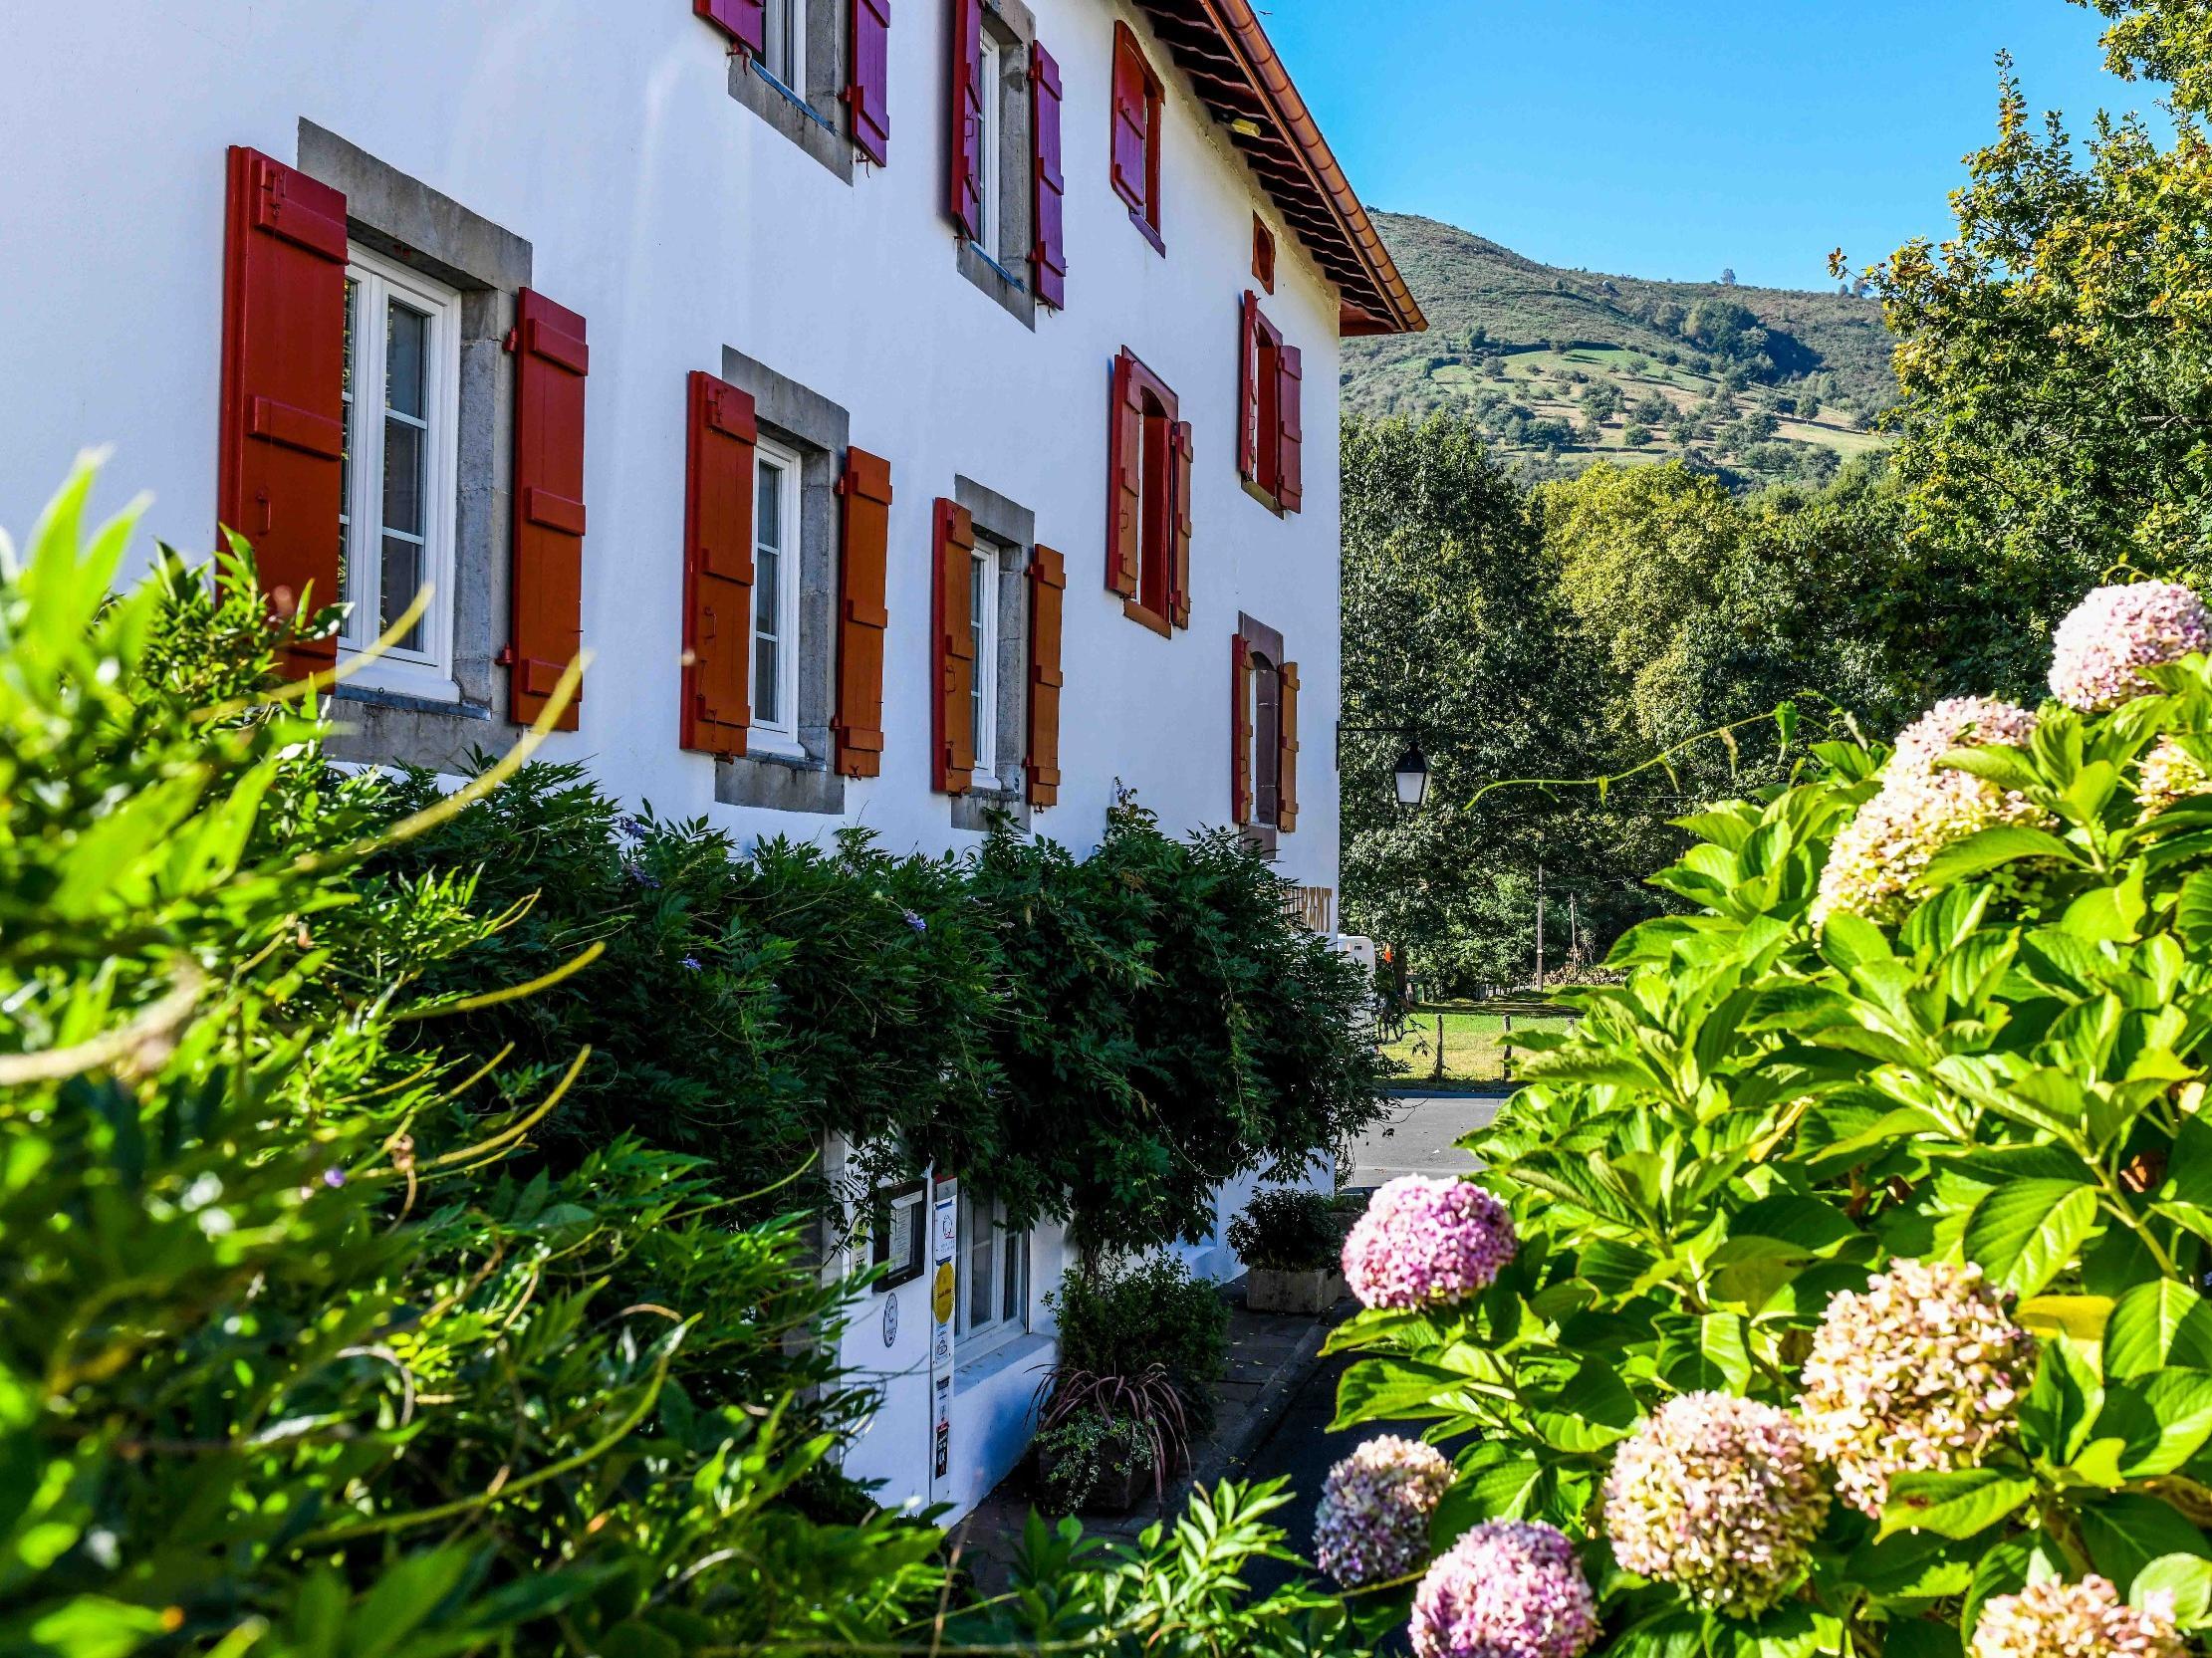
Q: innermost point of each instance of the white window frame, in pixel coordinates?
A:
(780, 735)
(987, 564)
(428, 671)
(992, 68)
(783, 48)
(1010, 1252)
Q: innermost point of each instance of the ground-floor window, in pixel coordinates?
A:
(994, 1274)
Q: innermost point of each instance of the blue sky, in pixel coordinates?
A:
(1672, 137)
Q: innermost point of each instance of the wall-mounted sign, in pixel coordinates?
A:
(890, 1320)
(899, 1234)
(944, 1247)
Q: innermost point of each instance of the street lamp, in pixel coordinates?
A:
(1411, 774)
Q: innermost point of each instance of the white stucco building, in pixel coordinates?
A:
(907, 411)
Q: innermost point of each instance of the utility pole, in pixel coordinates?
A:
(1574, 930)
(1540, 929)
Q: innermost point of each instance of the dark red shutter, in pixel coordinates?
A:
(1263, 253)
(964, 195)
(1291, 430)
(547, 596)
(1132, 141)
(716, 708)
(282, 423)
(1247, 388)
(1048, 582)
(744, 21)
(1240, 730)
(858, 723)
(952, 652)
(1178, 568)
(866, 89)
(1125, 479)
(1286, 786)
(1047, 255)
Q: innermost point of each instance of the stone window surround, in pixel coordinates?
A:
(1268, 641)
(819, 432)
(1003, 275)
(1013, 529)
(810, 116)
(407, 220)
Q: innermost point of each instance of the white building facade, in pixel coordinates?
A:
(917, 418)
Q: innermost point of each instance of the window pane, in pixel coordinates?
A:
(403, 460)
(768, 506)
(406, 360)
(982, 1286)
(767, 709)
(980, 599)
(402, 579)
(1017, 1276)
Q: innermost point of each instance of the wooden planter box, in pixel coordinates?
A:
(1118, 1491)
(1310, 1293)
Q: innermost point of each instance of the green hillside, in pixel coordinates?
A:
(1564, 367)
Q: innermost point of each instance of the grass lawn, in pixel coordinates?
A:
(1474, 1042)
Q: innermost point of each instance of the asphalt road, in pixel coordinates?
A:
(1420, 1135)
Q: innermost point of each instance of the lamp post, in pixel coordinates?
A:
(1411, 774)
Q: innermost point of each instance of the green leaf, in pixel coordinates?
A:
(2023, 1234)
(2062, 1405)
(2156, 1325)
(2126, 1531)
(2186, 1577)
(1992, 849)
(2180, 1402)
(1954, 1504)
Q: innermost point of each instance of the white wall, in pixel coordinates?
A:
(678, 222)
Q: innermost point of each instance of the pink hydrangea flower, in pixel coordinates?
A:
(1372, 1524)
(1719, 1496)
(1923, 1370)
(1509, 1588)
(1426, 1243)
(2054, 1619)
(1877, 861)
(2099, 651)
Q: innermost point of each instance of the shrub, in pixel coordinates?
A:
(1124, 1321)
(1286, 1230)
(1921, 1193)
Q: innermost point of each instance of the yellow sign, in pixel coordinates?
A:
(940, 1294)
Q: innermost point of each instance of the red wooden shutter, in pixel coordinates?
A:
(858, 723)
(1047, 255)
(1048, 582)
(866, 89)
(1286, 788)
(716, 707)
(1179, 570)
(1125, 479)
(744, 21)
(1240, 730)
(1263, 253)
(1131, 141)
(551, 361)
(1247, 388)
(1291, 428)
(964, 195)
(952, 652)
(282, 422)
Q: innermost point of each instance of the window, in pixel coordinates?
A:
(1136, 134)
(1263, 254)
(784, 44)
(1264, 689)
(402, 400)
(1149, 464)
(988, 172)
(1271, 437)
(983, 626)
(994, 1277)
(776, 596)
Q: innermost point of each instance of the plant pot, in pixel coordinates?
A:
(1310, 1292)
(1118, 1489)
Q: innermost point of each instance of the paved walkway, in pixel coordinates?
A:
(1420, 1137)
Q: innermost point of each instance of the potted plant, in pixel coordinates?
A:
(1291, 1245)
(1103, 1439)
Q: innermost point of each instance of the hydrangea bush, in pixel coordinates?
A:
(1845, 1288)
(1372, 1524)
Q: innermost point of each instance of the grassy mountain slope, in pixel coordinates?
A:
(1564, 366)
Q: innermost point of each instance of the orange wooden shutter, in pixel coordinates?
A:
(282, 425)
(952, 652)
(1286, 788)
(1247, 388)
(1240, 730)
(964, 186)
(547, 591)
(1290, 425)
(858, 724)
(868, 82)
(1179, 570)
(1125, 479)
(1048, 257)
(1048, 582)
(716, 707)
